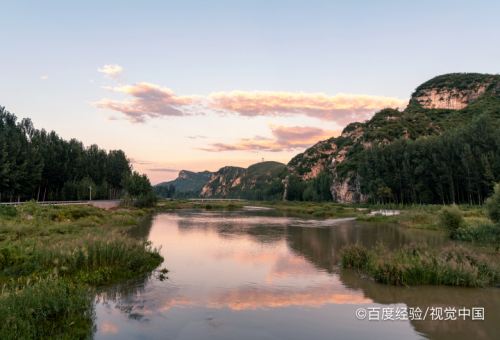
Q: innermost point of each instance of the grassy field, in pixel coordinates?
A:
(52, 258)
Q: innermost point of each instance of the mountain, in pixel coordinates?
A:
(444, 147)
(444, 103)
(259, 181)
(187, 184)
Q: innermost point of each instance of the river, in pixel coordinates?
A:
(254, 274)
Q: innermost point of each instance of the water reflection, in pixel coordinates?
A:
(263, 275)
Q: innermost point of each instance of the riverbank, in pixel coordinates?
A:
(52, 260)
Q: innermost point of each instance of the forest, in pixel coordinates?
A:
(459, 166)
(40, 165)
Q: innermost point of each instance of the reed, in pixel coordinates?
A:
(420, 265)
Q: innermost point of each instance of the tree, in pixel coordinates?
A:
(139, 190)
(36, 164)
(493, 205)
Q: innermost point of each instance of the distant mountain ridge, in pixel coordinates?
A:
(187, 184)
(254, 182)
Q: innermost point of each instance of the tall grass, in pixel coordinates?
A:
(49, 308)
(420, 265)
(93, 261)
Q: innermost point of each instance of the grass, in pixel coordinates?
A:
(420, 265)
(316, 209)
(52, 258)
(167, 205)
(48, 308)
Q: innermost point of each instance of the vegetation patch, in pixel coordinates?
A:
(48, 308)
(52, 258)
(419, 265)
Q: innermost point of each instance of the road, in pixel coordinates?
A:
(103, 204)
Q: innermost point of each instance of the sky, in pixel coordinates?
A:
(202, 84)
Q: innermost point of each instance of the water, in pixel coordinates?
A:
(258, 275)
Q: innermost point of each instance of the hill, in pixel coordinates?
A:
(187, 184)
(259, 181)
(443, 106)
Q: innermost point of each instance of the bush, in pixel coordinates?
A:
(8, 211)
(493, 205)
(484, 233)
(451, 218)
(146, 200)
(355, 256)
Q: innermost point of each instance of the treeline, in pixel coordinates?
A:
(317, 189)
(459, 166)
(40, 165)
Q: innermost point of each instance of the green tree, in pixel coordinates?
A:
(139, 190)
(493, 205)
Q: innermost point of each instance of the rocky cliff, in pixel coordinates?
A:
(430, 111)
(221, 182)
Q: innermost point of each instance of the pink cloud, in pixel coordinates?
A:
(285, 138)
(341, 108)
(148, 101)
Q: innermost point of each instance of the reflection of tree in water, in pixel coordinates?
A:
(142, 229)
(124, 296)
(127, 297)
(262, 233)
(321, 246)
(437, 296)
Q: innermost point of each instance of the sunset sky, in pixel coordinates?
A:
(202, 84)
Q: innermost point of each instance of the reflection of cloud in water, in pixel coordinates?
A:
(251, 298)
(107, 327)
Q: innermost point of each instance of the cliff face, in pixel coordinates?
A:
(235, 182)
(337, 156)
(452, 98)
(222, 181)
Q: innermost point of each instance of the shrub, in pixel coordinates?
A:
(355, 256)
(484, 233)
(8, 211)
(493, 205)
(451, 218)
(146, 200)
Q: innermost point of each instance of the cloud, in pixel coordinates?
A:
(148, 101)
(163, 170)
(341, 108)
(111, 70)
(285, 138)
(197, 137)
(44, 77)
(140, 162)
